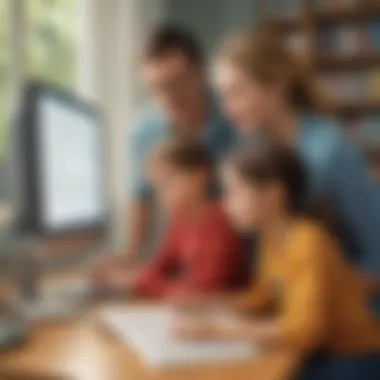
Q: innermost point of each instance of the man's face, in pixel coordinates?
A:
(174, 83)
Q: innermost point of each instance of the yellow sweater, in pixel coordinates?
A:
(320, 300)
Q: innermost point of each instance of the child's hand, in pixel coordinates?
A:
(193, 328)
(185, 300)
(105, 266)
(118, 279)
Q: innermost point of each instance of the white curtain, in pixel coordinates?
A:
(112, 32)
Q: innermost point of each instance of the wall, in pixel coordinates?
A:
(212, 19)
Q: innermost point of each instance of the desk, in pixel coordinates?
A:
(82, 350)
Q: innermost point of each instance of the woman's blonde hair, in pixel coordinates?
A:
(264, 56)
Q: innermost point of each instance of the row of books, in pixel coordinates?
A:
(350, 39)
(351, 87)
(340, 5)
(283, 8)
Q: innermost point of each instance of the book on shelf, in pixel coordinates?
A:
(375, 34)
(374, 85)
(350, 39)
(284, 8)
(336, 5)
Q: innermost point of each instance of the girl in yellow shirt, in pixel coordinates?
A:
(317, 301)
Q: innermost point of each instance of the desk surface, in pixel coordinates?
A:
(81, 349)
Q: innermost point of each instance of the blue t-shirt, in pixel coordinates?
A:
(338, 174)
(151, 128)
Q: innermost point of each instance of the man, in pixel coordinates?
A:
(172, 66)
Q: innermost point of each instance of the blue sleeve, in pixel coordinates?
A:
(357, 200)
(141, 188)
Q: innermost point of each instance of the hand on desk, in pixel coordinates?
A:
(114, 274)
(196, 301)
(108, 264)
(187, 300)
(224, 327)
(193, 328)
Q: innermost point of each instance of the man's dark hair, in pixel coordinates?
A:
(185, 155)
(169, 37)
(373, 155)
(268, 163)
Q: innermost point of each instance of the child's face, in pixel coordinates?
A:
(249, 206)
(178, 190)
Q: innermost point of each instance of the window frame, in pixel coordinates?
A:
(106, 75)
(18, 59)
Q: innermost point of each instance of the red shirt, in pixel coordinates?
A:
(203, 255)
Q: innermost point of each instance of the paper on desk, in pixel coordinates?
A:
(148, 331)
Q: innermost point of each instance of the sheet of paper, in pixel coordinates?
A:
(148, 331)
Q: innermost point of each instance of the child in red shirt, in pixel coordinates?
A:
(200, 252)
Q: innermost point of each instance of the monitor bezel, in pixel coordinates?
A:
(31, 218)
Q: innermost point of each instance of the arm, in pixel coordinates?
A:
(154, 280)
(259, 297)
(218, 264)
(140, 208)
(357, 201)
(139, 223)
(301, 324)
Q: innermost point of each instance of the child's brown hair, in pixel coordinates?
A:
(271, 162)
(268, 163)
(186, 155)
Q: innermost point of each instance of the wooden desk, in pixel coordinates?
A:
(82, 350)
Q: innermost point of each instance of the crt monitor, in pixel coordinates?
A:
(62, 162)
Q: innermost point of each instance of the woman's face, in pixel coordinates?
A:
(249, 206)
(248, 104)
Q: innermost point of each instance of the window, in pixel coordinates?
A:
(61, 42)
(52, 41)
(49, 41)
(4, 81)
(5, 104)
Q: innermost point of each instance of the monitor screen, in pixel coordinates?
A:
(69, 159)
(65, 161)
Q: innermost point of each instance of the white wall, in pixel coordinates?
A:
(112, 33)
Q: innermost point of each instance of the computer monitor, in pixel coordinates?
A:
(61, 141)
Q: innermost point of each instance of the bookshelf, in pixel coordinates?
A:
(340, 39)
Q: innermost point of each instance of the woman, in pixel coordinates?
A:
(265, 91)
(316, 300)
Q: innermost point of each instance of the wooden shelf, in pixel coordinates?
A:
(347, 62)
(355, 108)
(310, 22)
(349, 15)
(287, 24)
(326, 17)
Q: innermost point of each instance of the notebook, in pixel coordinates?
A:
(147, 330)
